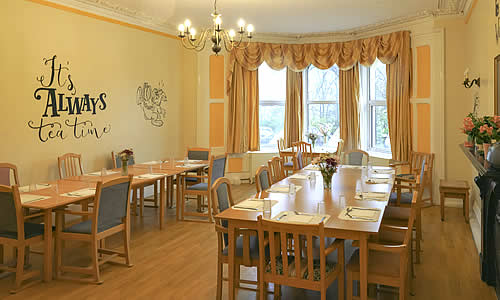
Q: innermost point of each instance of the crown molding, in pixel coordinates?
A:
(110, 9)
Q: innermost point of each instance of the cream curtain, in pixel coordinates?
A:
(243, 112)
(294, 115)
(348, 107)
(399, 84)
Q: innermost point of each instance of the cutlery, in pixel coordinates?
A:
(322, 219)
(359, 218)
(361, 208)
(242, 207)
(283, 215)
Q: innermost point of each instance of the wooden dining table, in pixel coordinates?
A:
(342, 193)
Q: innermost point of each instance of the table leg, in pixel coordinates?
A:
(162, 200)
(178, 197)
(230, 265)
(47, 264)
(363, 267)
(441, 203)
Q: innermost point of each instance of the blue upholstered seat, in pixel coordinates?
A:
(405, 198)
(198, 154)
(191, 179)
(288, 164)
(202, 186)
(86, 226)
(355, 158)
(264, 180)
(30, 230)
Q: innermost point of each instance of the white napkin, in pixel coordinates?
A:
(353, 213)
(98, 173)
(192, 166)
(154, 162)
(384, 171)
(282, 189)
(301, 218)
(372, 196)
(190, 160)
(38, 186)
(81, 193)
(300, 176)
(312, 168)
(378, 180)
(253, 204)
(353, 167)
(25, 198)
(149, 176)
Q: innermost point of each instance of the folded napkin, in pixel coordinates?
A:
(81, 193)
(253, 204)
(190, 160)
(26, 198)
(300, 176)
(149, 176)
(353, 213)
(154, 162)
(352, 167)
(108, 172)
(282, 189)
(191, 166)
(300, 217)
(383, 171)
(372, 196)
(312, 168)
(378, 180)
(38, 186)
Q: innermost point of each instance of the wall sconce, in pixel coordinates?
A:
(468, 83)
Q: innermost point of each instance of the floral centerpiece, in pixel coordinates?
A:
(327, 164)
(312, 138)
(125, 155)
(325, 129)
(483, 131)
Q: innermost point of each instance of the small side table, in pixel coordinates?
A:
(455, 189)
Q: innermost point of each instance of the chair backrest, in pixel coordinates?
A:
(281, 145)
(262, 179)
(111, 203)
(278, 266)
(70, 164)
(421, 179)
(117, 161)
(416, 162)
(222, 199)
(5, 174)
(340, 148)
(298, 162)
(198, 153)
(11, 212)
(276, 169)
(217, 168)
(356, 157)
(305, 149)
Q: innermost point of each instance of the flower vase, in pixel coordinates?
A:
(124, 167)
(485, 149)
(479, 150)
(325, 142)
(313, 142)
(327, 181)
(470, 142)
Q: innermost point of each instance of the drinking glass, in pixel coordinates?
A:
(267, 208)
(342, 202)
(186, 160)
(321, 208)
(291, 190)
(103, 172)
(312, 176)
(172, 161)
(32, 187)
(150, 169)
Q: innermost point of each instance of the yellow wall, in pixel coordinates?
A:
(103, 57)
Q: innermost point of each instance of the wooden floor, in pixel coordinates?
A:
(179, 262)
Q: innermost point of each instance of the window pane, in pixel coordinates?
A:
(323, 84)
(380, 138)
(378, 81)
(324, 118)
(272, 84)
(271, 124)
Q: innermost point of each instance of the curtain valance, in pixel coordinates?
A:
(322, 55)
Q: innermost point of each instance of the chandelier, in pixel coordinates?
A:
(216, 34)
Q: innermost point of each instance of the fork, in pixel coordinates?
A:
(359, 218)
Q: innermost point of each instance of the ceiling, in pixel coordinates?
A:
(273, 16)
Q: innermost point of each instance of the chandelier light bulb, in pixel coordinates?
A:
(193, 33)
(250, 28)
(232, 33)
(181, 28)
(187, 23)
(241, 23)
(218, 20)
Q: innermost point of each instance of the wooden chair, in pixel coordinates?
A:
(316, 270)
(340, 148)
(196, 153)
(356, 157)
(414, 165)
(110, 215)
(455, 189)
(70, 164)
(388, 258)
(247, 245)
(262, 179)
(298, 162)
(216, 171)
(276, 169)
(287, 164)
(305, 149)
(19, 234)
(6, 170)
(117, 163)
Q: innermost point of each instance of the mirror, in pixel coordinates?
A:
(497, 85)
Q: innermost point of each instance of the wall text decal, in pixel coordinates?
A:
(59, 94)
(150, 100)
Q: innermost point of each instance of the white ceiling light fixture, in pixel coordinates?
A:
(216, 34)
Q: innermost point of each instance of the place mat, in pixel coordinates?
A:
(372, 196)
(300, 217)
(379, 180)
(38, 186)
(149, 176)
(98, 173)
(282, 189)
(253, 204)
(153, 162)
(80, 193)
(26, 198)
(312, 168)
(352, 167)
(383, 171)
(363, 214)
(300, 176)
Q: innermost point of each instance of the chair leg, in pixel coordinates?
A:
(237, 276)
(141, 203)
(126, 243)
(219, 281)
(182, 202)
(349, 286)
(59, 245)
(20, 267)
(277, 291)
(156, 193)
(209, 207)
(134, 202)
(340, 277)
(95, 261)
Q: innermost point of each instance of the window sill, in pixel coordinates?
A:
(382, 155)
